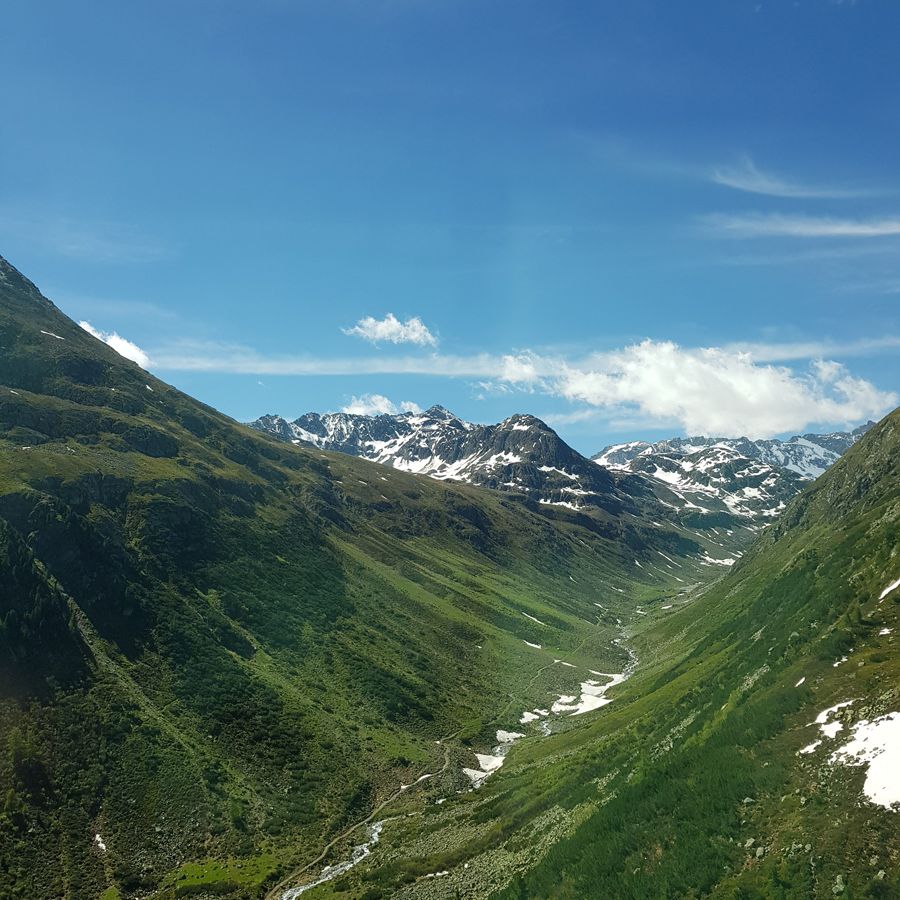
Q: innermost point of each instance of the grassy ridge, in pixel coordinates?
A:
(690, 784)
(220, 649)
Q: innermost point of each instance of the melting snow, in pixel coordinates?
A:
(97, 839)
(560, 471)
(51, 334)
(828, 729)
(507, 737)
(877, 745)
(488, 762)
(891, 587)
(566, 703)
(476, 776)
(536, 646)
(712, 561)
(800, 681)
(533, 619)
(885, 631)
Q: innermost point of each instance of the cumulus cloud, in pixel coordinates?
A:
(716, 392)
(392, 330)
(378, 405)
(121, 345)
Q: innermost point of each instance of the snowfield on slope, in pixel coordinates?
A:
(876, 744)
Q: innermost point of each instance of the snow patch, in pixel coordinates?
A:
(488, 762)
(876, 744)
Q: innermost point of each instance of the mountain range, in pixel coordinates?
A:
(235, 666)
(718, 489)
(520, 454)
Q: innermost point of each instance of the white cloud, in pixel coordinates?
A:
(211, 356)
(378, 405)
(726, 391)
(745, 176)
(779, 225)
(121, 345)
(716, 392)
(785, 351)
(392, 330)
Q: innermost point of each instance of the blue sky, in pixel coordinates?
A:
(632, 219)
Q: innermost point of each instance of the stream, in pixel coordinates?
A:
(592, 696)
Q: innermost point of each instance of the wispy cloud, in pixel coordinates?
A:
(393, 331)
(81, 305)
(795, 350)
(746, 176)
(209, 356)
(378, 405)
(121, 345)
(798, 253)
(764, 225)
(84, 240)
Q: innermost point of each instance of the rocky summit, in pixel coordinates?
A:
(521, 453)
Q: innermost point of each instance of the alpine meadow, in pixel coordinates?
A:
(450, 450)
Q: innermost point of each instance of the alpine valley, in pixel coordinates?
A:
(409, 656)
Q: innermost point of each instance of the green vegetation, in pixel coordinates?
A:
(220, 647)
(690, 784)
(219, 653)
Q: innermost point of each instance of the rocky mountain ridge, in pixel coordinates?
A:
(724, 482)
(736, 479)
(521, 453)
(807, 455)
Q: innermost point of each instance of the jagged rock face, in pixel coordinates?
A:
(749, 480)
(741, 482)
(521, 453)
(808, 455)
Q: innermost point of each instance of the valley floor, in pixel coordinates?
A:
(565, 688)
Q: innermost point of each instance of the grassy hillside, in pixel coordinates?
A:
(219, 650)
(692, 782)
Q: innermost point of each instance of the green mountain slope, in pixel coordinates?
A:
(219, 650)
(693, 783)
